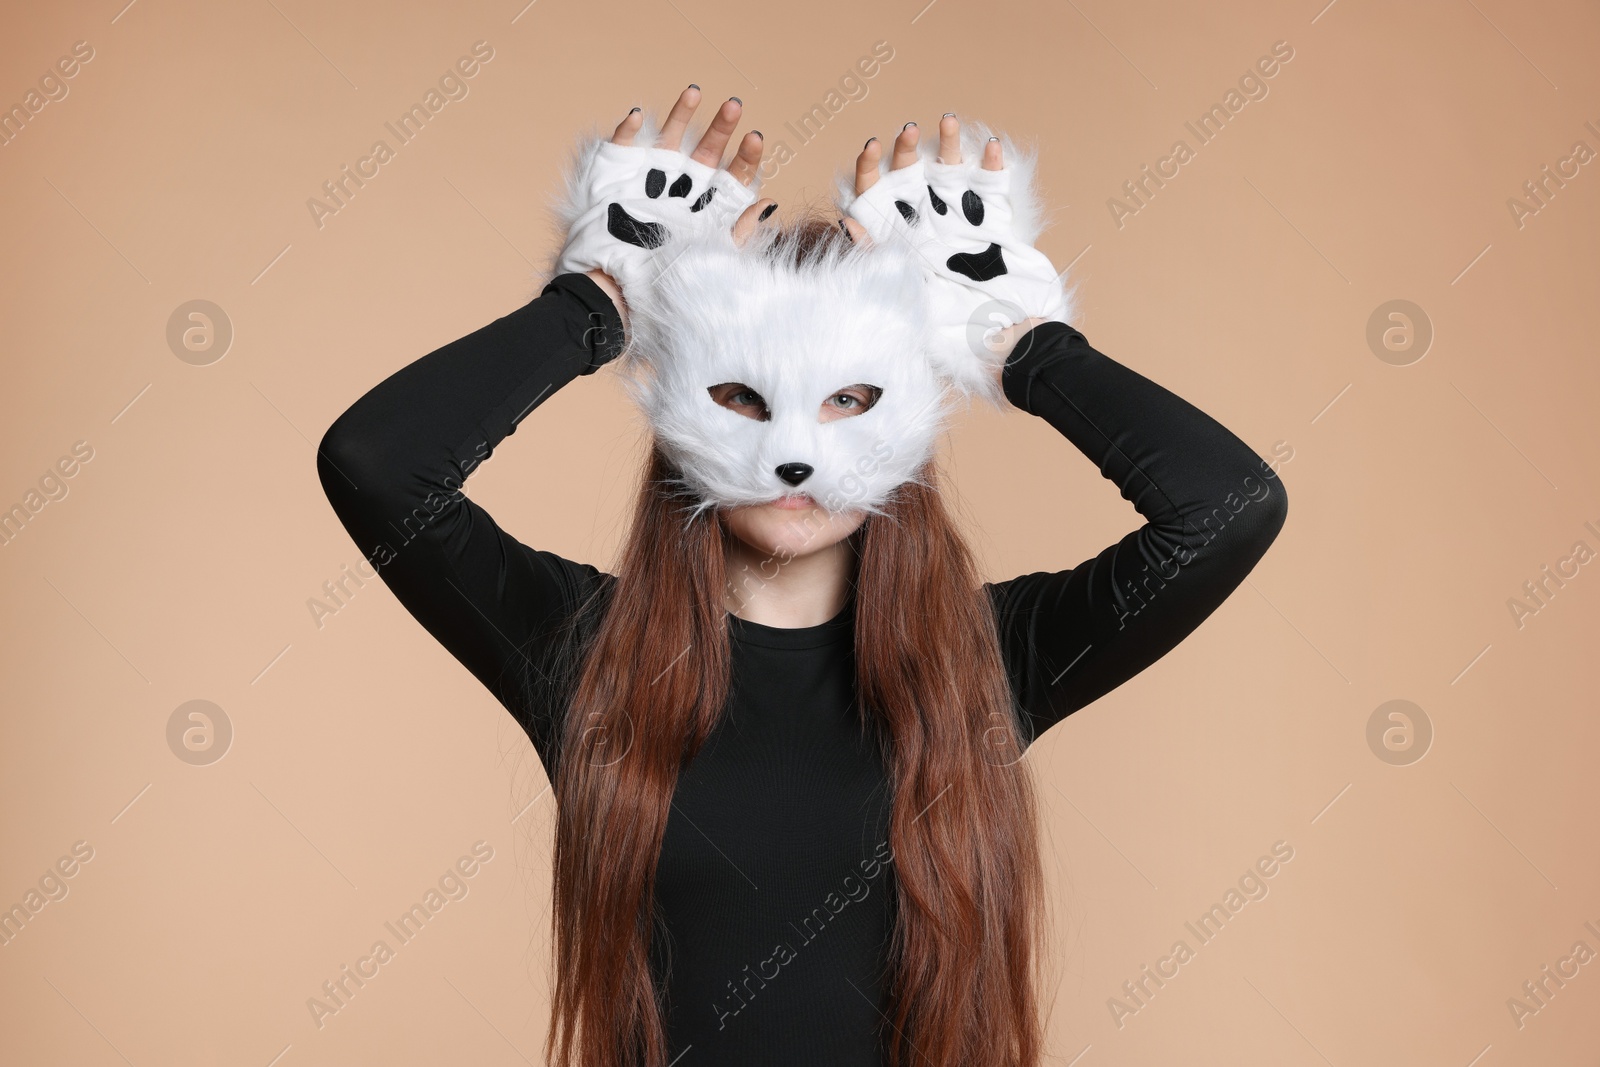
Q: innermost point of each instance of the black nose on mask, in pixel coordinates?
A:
(794, 473)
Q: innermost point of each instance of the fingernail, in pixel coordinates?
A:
(759, 134)
(736, 100)
(994, 138)
(907, 126)
(692, 85)
(766, 212)
(869, 141)
(949, 114)
(846, 230)
(631, 112)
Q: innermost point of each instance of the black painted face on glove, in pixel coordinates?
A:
(624, 227)
(979, 266)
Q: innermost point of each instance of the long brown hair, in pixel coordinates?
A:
(650, 663)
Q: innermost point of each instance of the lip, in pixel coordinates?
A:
(794, 502)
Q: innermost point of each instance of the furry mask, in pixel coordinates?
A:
(951, 258)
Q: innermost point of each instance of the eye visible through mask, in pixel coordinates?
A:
(844, 403)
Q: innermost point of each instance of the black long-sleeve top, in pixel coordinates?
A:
(776, 904)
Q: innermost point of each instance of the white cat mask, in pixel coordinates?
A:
(951, 258)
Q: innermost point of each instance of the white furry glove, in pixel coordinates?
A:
(622, 201)
(974, 231)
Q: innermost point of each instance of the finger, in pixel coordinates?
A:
(715, 139)
(747, 160)
(628, 127)
(950, 139)
(678, 118)
(905, 147)
(991, 155)
(856, 232)
(867, 164)
(752, 217)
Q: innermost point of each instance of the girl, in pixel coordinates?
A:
(794, 825)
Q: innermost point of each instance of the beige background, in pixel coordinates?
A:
(365, 761)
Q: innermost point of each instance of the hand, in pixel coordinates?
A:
(615, 207)
(973, 221)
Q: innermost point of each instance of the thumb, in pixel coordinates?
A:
(753, 216)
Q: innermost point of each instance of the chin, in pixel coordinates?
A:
(791, 528)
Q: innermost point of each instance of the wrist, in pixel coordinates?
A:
(608, 285)
(1002, 344)
(1006, 340)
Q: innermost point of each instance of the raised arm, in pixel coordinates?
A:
(969, 204)
(1212, 508)
(394, 464)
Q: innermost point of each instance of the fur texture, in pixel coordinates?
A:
(714, 313)
(904, 313)
(1021, 159)
(975, 232)
(599, 174)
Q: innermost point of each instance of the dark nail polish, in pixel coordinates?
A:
(631, 112)
(869, 141)
(766, 212)
(846, 230)
(692, 85)
(736, 100)
(949, 114)
(759, 134)
(907, 126)
(994, 138)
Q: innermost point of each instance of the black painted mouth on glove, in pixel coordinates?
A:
(979, 266)
(624, 227)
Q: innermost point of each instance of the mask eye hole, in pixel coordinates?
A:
(739, 397)
(849, 401)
